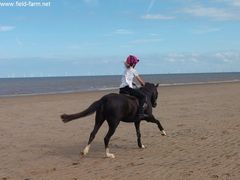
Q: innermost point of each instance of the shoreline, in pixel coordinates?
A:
(116, 89)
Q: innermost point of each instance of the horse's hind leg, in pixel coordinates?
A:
(98, 123)
(112, 128)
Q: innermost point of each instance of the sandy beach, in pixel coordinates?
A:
(202, 123)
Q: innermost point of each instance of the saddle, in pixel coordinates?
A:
(130, 97)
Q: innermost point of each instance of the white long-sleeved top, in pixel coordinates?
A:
(127, 77)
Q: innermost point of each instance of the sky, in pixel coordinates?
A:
(94, 37)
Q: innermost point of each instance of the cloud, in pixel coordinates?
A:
(211, 12)
(119, 31)
(157, 17)
(123, 31)
(235, 3)
(227, 57)
(214, 58)
(191, 62)
(219, 10)
(6, 28)
(183, 58)
(205, 30)
(146, 40)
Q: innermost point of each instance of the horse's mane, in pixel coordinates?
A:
(148, 88)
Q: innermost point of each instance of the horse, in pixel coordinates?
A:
(114, 108)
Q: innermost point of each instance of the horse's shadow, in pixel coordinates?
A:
(72, 151)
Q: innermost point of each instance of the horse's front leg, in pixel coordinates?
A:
(152, 119)
(137, 126)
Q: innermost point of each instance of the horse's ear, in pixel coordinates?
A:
(156, 85)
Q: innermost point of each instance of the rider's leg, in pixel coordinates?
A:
(142, 99)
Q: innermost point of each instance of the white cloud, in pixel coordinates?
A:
(6, 28)
(227, 57)
(235, 3)
(182, 58)
(119, 32)
(157, 17)
(146, 40)
(214, 58)
(204, 30)
(220, 10)
(211, 12)
(123, 32)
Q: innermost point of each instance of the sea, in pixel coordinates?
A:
(71, 84)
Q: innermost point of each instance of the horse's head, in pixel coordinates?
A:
(153, 93)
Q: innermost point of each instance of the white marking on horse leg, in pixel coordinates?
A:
(86, 149)
(109, 155)
(143, 147)
(163, 133)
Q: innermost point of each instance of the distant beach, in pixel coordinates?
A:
(54, 85)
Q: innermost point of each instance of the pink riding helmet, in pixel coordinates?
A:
(132, 60)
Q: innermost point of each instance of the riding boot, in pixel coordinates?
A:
(141, 114)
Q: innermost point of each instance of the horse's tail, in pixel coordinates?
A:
(90, 110)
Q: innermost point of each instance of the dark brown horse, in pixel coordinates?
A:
(115, 108)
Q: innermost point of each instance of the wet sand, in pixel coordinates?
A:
(202, 123)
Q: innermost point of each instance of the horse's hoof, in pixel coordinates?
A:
(109, 155)
(82, 153)
(85, 150)
(64, 118)
(143, 147)
(163, 133)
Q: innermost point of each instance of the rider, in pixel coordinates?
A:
(126, 86)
